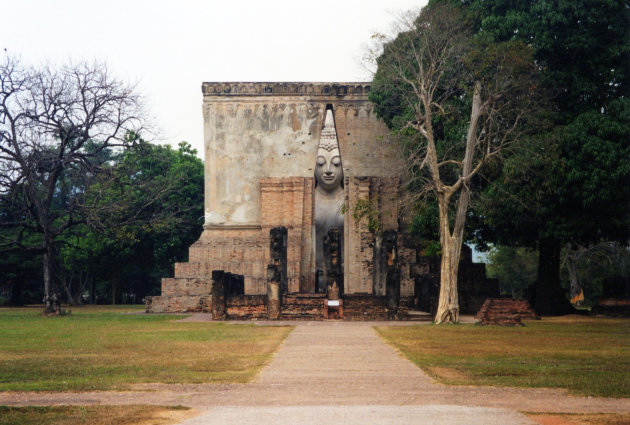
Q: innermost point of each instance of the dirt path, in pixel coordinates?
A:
(335, 364)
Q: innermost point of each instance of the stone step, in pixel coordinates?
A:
(293, 315)
(183, 286)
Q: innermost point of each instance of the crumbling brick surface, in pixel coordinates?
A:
(365, 307)
(247, 307)
(505, 312)
(303, 307)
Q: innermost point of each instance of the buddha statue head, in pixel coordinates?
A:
(328, 169)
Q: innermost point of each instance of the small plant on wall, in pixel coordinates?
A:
(368, 210)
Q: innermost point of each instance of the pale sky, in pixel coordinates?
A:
(170, 47)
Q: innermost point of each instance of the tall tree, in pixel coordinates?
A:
(572, 187)
(54, 121)
(458, 103)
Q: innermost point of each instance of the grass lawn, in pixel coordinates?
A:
(93, 415)
(100, 348)
(587, 356)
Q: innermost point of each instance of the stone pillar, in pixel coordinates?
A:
(392, 284)
(219, 308)
(274, 295)
(278, 253)
(332, 263)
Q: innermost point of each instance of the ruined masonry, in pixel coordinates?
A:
(302, 211)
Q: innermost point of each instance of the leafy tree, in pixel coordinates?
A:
(572, 187)
(53, 122)
(459, 103)
(515, 267)
(146, 212)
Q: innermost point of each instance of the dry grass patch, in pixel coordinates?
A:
(96, 349)
(580, 419)
(585, 355)
(94, 415)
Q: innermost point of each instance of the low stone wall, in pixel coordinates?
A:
(505, 312)
(370, 307)
(303, 307)
(246, 307)
(179, 304)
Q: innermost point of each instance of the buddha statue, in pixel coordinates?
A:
(329, 197)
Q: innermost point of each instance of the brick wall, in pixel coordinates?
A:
(288, 202)
(242, 250)
(383, 197)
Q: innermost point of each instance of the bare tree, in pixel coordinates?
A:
(55, 121)
(458, 102)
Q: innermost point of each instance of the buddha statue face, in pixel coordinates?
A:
(328, 171)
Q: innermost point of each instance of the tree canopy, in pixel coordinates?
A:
(147, 211)
(572, 185)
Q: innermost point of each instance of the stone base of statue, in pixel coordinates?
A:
(333, 309)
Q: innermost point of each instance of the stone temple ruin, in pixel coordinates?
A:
(303, 213)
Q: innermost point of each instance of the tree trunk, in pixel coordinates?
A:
(92, 297)
(550, 297)
(114, 287)
(448, 304)
(51, 300)
(573, 257)
(74, 296)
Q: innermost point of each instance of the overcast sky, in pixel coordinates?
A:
(170, 47)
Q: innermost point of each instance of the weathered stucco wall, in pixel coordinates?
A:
(259, 130)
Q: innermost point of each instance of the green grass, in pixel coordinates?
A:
(588, 356)
(92, 415)
(102, 349)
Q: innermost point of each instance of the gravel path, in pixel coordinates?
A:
(360, 415)
(343, 370)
